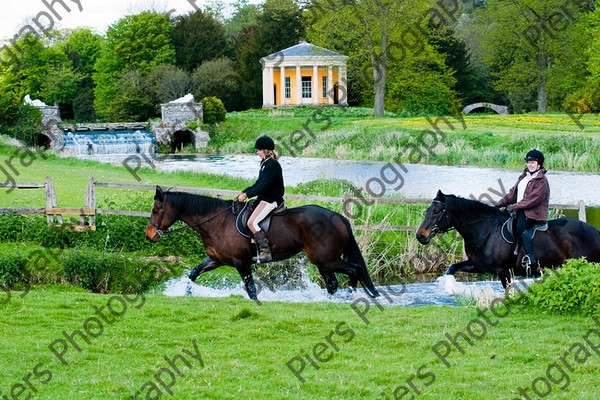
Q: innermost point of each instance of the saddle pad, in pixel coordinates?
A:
(507, 231)
(241, 222)
(542, 228)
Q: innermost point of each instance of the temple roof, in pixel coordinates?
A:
(304, 49)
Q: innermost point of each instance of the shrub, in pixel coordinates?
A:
(9, 108)
(114, 233)
(213, 110)
(13, 270)
(11, 227)
(585, 100)
(103, 272)
(29, 119)
(574, 288)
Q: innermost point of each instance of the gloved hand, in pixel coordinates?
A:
(510, 208)
(241, 197)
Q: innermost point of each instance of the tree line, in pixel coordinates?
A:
(410, 57)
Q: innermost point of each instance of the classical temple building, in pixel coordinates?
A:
(304, 74)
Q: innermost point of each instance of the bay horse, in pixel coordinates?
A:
(489, 253)
(325, 236)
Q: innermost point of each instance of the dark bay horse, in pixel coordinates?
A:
(486, 249)
(325, 236)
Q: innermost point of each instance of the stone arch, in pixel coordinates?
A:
(495, 107)
(43, 141)
(164, 134)
(182, 138)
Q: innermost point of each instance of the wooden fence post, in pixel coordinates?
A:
(51, 201)
(90, 202)
(582, 216)
(351, 208)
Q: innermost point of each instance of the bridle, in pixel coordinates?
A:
(435, 230)
(162, 233)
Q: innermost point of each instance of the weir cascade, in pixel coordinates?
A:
(124, 137)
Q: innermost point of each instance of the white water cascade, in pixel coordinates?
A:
(89, 143)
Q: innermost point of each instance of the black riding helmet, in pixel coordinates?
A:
(535, 155)
(264, 143)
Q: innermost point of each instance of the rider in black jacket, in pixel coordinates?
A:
(269, 189)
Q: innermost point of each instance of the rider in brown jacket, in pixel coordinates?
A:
(529, 198)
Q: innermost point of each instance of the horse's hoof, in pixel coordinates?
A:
(193, 275)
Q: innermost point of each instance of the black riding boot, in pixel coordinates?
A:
(264, 255)
(528, 260)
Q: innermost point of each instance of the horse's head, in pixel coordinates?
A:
(436, 219)
(162, 216)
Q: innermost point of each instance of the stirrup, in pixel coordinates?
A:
(258, 260)
(527, 262)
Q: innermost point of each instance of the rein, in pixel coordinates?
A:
(438, 230)
(162, 233)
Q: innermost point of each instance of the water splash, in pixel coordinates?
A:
(482, 293)
(440, 293)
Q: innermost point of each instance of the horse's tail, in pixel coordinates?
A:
(353, 255)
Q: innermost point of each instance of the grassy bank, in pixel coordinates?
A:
(484, 140)
(241, 350)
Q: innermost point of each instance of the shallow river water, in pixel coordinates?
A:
(419, 180)
(444, 292)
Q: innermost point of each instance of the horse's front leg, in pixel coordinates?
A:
(465, 266)
(246, 274)
(250, 286)
(207, 265)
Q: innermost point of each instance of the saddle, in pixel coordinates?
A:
(507, 230)
(241, 222)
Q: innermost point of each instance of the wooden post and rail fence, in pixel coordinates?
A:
(87, 214)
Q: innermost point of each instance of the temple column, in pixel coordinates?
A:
(330, 84)
(298, 86)
(268, 100)
(282, 84)
(315, 85)
(342, 86)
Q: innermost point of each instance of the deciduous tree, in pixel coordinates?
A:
(134, 44)
(532, 44)
(279, 26)
(198, 37)
(392, 41)
(218, 78)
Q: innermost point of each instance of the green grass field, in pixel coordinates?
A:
(237, 349)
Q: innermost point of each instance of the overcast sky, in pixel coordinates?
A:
(98, 14)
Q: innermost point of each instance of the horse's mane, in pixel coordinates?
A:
(196, 204)
(463, 206)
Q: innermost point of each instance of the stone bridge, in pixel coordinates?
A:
(171, 131)
(497, 108)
